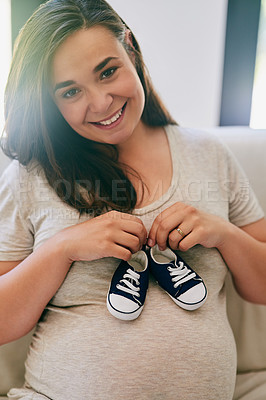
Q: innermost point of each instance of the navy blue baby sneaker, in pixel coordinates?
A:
(182, 284)
(127, 292)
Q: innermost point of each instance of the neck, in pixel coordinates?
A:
(138, 140)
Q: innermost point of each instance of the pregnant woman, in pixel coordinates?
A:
(99, 170)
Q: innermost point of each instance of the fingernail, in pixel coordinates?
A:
(150, 242)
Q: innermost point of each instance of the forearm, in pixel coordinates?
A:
(246, 259)
(26, 289)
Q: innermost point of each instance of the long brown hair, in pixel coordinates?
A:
(81, 171)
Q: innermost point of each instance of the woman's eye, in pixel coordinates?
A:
(108, 72)
(70, 93)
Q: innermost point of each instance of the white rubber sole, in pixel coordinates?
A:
(189, 307)
(121, 315)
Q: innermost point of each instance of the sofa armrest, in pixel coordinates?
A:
(248, 321)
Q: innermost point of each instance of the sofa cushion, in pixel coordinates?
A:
(251, 386)
(12, 358)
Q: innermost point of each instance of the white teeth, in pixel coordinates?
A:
(113, 119)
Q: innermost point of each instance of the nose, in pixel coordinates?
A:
(98, 101)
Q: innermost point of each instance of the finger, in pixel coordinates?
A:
(159, 223)
(178, 234)
(172, 212)
(135, 228)
(127, 241)
(184, 216)
(165, 228)
(119, 252)
(189, 241)
(127, 222)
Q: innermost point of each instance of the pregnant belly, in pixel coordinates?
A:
(167, 353)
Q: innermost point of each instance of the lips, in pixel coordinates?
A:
(112, 119)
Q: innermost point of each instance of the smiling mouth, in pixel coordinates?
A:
(111, 120)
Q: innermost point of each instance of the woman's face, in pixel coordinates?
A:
(96, 87)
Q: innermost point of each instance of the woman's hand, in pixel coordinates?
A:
(195, 227)
(113, 234)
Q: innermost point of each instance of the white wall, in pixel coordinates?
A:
(183, 46)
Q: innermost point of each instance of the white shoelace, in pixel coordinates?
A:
(180, 273)
(127, 280)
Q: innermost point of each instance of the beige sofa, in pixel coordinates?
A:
(248, 321)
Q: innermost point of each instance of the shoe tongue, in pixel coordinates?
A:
(175, 264)
(172, 264)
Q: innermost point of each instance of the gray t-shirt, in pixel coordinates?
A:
(79, 351)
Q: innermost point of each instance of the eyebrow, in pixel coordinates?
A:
(104, 63)
(98, 68)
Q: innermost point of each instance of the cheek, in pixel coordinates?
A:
(71, 113)
(130, 85)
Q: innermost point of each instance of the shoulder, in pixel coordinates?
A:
(198, 143)
(22, 182)
(16, 172)
(193, 136)
(10, 176)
